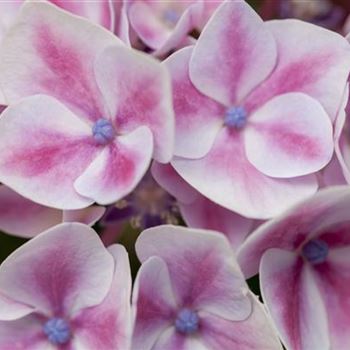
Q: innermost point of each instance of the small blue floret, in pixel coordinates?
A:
(103, 131)
(236, 117)
(315, 251)
(57, 331)
(187, 321)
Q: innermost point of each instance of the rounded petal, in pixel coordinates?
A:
(11, 309)
(311, 60)
(202, 269)
(326, 208)
(43, 149)
(138, 93)
(291, 135)
(198, 118)
(234, 53)
(21, 217)
(118, 169)
(107, 325)
(154, 303)
(60, 274)
(51, 52)
(88, 216)
(226, 177)
(298, 311)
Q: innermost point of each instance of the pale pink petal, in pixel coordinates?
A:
(332, 174)
(325, 209)
(311, 60)
(21, 217)
(88, 216)
(234, 53)
(8, 11)
(25, 333)
(254, 333)
(205, 214)
(198, 118)
(138, 93)
(107, 325)
(11, 309)
(60, 274)
(294, 301)
(153, 302)
(43, 149)
(202, 269)
(52, 52)
(172, 182)
(118, 169)
(226, 177)
(291, 135)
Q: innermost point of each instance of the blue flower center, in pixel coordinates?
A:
(315, 251)
(187, 321)
(57, 331)
(235, 117)
(103, 131)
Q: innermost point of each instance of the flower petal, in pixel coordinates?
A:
(198, 118)
(107, 325)
(60, 274)
(234, 53)
(202, 269)
(226, 177)
(138, 93)
(118, 169)
(298, 311)
(291, 135)
(153, 302)
(52, 52)
(11, 309)
(311, 60)
(88, 216)
(43, 149)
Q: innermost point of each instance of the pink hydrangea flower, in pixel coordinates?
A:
(200, 212)
(86, 113)
(190, 294)
(64, 290)
(254, 105)
(304, 270)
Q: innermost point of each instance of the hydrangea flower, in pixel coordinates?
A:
(86, 113)
(304, 270)
(190, 294)
(254, 104)
(65, 290)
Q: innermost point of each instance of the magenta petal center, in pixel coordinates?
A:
(315, 251)
(187, 321)
(57, 330)
(235, 117)
(103, 131)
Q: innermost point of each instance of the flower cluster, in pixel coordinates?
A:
(210, 143)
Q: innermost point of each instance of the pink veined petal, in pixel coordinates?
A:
(202, 269)
(291, 135)
(254, 333)
(43, 149)
(333, 280)
(60, 274)
(11, 309)
(88, 216)
(311, 60)
(226, 177)
(172, 182)
(21, 217)
(325, 209)
(230, 60)
(25, 333)
(51, 52)
(297, 310)
(205, 214)
(107, 325)
(118, 169)
(198, 118)
(138, 93)
(154, 304)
